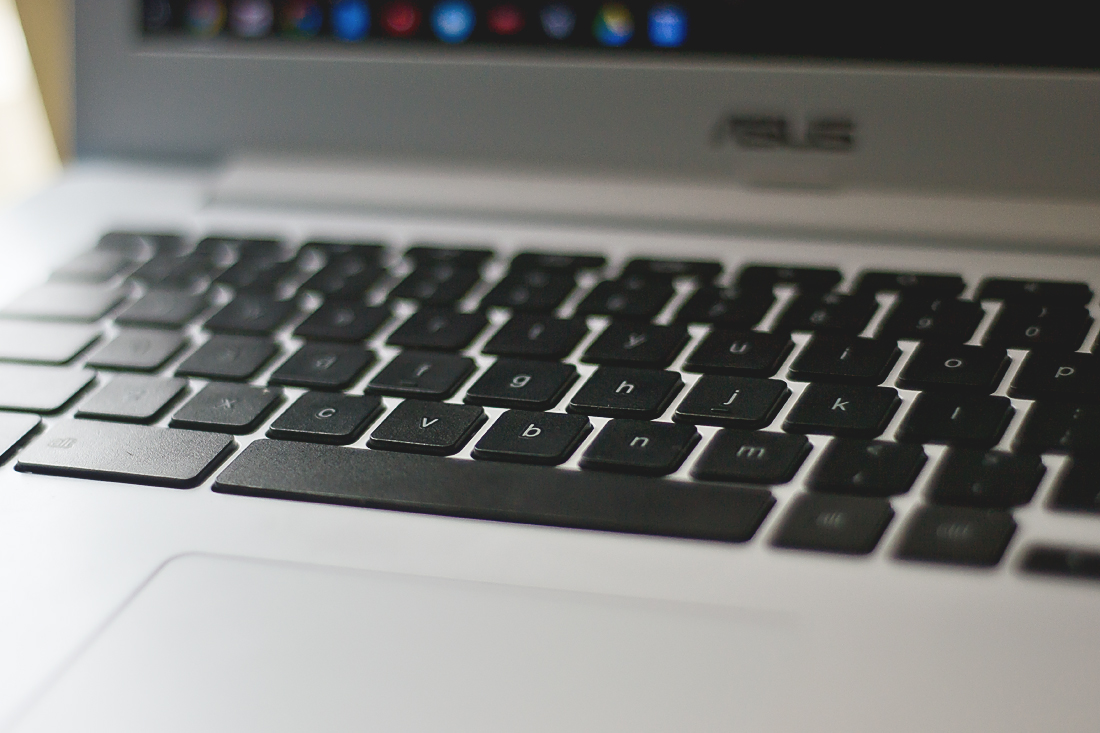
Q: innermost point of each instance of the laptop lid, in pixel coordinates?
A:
(848, 96)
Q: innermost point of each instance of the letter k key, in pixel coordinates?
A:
(850, 411)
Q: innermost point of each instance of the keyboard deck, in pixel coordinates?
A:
(655, 397)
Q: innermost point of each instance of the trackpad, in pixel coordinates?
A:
(220, 644)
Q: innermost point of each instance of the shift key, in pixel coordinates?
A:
(130, 453)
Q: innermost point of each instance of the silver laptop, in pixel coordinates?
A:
(446, 365)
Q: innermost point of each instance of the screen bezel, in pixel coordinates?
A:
(974, 130)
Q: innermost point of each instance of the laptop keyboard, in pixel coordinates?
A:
(148, 354)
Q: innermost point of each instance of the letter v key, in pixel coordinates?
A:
(426, 422)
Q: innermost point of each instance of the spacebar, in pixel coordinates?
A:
(498, 491)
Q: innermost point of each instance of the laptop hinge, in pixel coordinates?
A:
(709, 205)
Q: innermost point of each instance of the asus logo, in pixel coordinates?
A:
(758, 132)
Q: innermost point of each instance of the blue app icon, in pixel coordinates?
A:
(668, 26)
(350, 20)
(453, 21)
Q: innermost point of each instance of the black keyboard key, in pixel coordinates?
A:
(139, 350)
(1062, 562)
(992, 480)
(541, 438)
(422, 374)
(743, 456)
(536, 291)
(806, 279)
(140, 245)
(164, 308)
(184, 272)
(349, 256)
(957, 536)
(342, 257)
(219, 247)
(433, 428)
(638, 344)
(253, 314)
(343, 320)
(920, 318)
(227, 408)
(323, 417)
(635, 298)
(1024, 325)
(498, 491)
(849, 525)
(41, 389)
(323, 366)
(630, 393)
(262, 274)
(438, 284)
(1057, 377)
(438, 330)
(132, 398)
(530, 385)
(1059, 427)
(468, 258)
(733, 402)
(954, 368)
(742, 353)
(570, 264)
(340, 281)
(1078, 490)
(927, 284)
(15, 430)
(829, 312)
(66, 302)
(1045, 291)
(131, 453)
(849, 411)
(704, 271)
(729, 308)
(44, 343)
(845, 360)
(962, 420)
(96, 266)
(234, 358)
(867, 468)
(537, 337)
(643, 448)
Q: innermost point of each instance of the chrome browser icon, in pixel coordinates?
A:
(614, 25)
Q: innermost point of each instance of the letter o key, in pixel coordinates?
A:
(953, 363)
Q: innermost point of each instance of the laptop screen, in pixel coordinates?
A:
(938, 32)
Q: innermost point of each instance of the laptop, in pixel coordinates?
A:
(556, 366)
